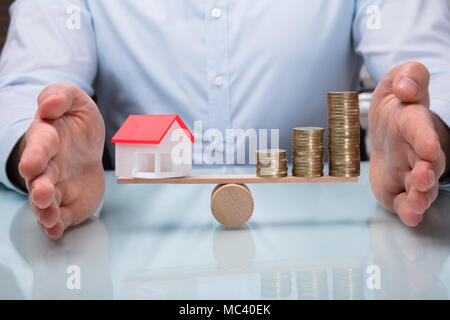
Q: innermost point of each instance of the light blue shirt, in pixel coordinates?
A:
(230, 63)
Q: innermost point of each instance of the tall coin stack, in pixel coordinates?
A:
(307, 154)
(343, 134)
(271, 163)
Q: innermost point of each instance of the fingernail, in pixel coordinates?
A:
(409, 85)
(432, 177)
(49, 97)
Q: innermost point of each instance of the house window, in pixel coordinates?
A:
(146, 162)
(166, 162)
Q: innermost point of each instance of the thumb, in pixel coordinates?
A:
(408, 82)
(58, 99)
(411, 82)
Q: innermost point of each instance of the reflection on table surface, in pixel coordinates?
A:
(304, 241)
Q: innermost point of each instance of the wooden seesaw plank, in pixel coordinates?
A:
(233, 178)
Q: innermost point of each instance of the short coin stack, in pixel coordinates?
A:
(307, 154)
(271, 163)
(344, 134)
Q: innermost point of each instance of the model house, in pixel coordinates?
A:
(153, 146)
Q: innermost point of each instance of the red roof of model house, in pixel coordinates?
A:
(148, 129)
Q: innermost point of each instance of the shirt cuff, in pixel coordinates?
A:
(9, 137)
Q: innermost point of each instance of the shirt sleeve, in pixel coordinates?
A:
(49, 41)
(389, 32)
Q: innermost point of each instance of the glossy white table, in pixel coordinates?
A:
(304, 241)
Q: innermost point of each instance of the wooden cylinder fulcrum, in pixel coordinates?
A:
(232, 204)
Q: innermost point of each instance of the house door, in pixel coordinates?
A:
(154, 165)
(146, 162)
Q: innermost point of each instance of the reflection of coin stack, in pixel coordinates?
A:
(312, 285)
(307, 155)
(348, 284)
(344, 134)
(271, 163)
(276, 285)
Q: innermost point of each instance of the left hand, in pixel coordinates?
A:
(407, 159)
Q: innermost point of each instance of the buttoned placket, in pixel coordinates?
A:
(216, 28)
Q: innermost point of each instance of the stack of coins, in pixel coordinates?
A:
(276, 285)
(312, 285)
(271, 163)
(344, 134)
(307, 154)
(348, 283)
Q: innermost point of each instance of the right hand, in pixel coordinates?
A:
(408, 143)
(62, 159)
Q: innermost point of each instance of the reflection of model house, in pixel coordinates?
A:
(153, 146)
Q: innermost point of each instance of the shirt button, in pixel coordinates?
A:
(218, 81)
(216, 13)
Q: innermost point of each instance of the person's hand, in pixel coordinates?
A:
(62, 159)
(407, 159)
